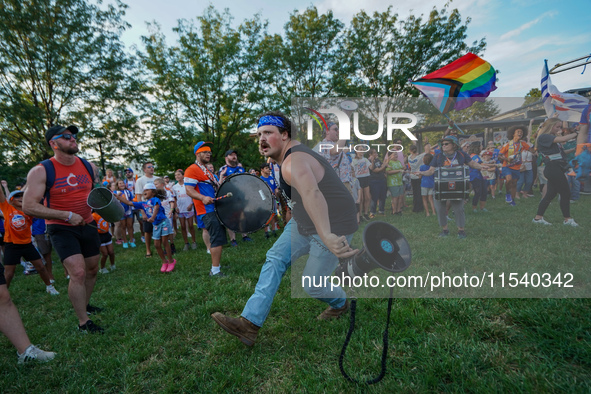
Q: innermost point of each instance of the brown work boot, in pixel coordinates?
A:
(242, 328)
(331, 313)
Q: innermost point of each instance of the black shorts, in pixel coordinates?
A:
(14, 252)
(71, 240)
(2, 278)
(148, 227)
(217, 232)
(363, 182)
(105, 238)
(1, 239)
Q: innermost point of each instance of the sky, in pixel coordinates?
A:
(520, 34)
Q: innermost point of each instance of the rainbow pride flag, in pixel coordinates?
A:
(459, 84)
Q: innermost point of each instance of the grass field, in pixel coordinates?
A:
(160, 338)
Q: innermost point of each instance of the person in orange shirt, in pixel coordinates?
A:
(106, 243)
(18, 239)
(510, 155)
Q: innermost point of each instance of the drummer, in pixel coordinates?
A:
(451, 156)
(321, 204)
(201, 185)
(232, 167)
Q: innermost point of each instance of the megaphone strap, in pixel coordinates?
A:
(384, 349)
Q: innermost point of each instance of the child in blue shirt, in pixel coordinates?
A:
(157, 215)
(427, 185)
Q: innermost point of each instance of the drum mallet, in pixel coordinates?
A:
(229, 194)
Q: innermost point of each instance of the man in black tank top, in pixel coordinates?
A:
(324, 221)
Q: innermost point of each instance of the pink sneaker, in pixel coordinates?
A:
(164, 267)
(171, 266)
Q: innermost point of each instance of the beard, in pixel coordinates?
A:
(70, 150)
(232, 163)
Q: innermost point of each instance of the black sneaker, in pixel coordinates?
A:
(90, 309)
(90, 327)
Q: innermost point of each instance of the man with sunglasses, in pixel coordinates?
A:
(69, 218)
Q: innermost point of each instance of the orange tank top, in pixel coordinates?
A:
(70, 190)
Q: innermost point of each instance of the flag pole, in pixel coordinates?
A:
(455, 125)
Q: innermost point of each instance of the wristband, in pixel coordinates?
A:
(69, 217)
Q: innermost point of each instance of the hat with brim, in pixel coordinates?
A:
(452, 139)
(14, 194)
(149, 186)
(202, 146)
(229, 152)
(57, 130)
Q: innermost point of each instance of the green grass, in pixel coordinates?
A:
(160, 338)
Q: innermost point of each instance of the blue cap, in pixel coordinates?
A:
(452, 139)
(201, 144)
(14, 194)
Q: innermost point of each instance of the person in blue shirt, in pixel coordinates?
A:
(427, 185)
(156, 214)
(232, 167)
(267, 176)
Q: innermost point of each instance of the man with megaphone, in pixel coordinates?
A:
(323, 223)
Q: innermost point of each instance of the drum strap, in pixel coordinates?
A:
(214, 181)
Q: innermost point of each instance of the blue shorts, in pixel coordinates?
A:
(200, 223)
(509, 171)
(492, 182)
(162, 229)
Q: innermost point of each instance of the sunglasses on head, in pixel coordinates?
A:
(65, 136)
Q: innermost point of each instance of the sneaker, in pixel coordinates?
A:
(366, 216)
(113, 268)
(382, 213)
(267, 234)
(239, 327)
(133, 245)
(33, 353)
(462, 234)
(51, 281)
(208, 251)
(444, 233)
(90, 327)
(104, 271)
(541, 221)
(125, 245)
(164, 267)
(508, 198)
(371, 216)
(512, 203)
(331, 313)
(247, 239)
(234, 243)
(475, 210)
(119, 241)
(171, 266)
(219, 274)
(193, 246)
(186, 247)
(143, 239)
(571, 222)
(484, 210)
(51, 290)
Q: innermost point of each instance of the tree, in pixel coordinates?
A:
(532, 96)
(62, 62)
(209, 83)
(380, 54)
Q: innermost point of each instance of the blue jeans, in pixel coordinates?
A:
(526, 178)
(575, 187)
(289, 247)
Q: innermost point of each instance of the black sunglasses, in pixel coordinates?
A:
(65, 136)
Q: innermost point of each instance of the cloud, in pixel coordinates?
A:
(525, 26)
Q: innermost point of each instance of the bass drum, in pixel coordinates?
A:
(251, 206)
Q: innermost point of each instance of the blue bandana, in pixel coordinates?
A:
(271, 121)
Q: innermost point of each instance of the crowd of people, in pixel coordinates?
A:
(329, 192)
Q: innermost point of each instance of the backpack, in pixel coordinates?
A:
(50, 175)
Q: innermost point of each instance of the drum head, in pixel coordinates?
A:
(251, 206)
